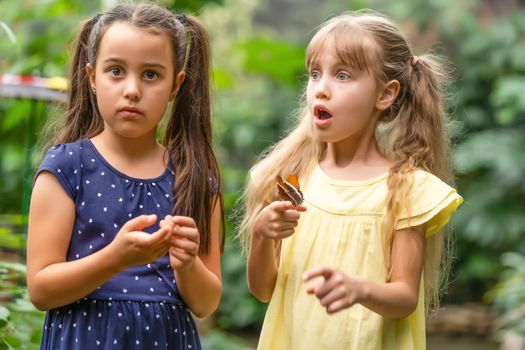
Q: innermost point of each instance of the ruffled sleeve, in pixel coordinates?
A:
(432, 203)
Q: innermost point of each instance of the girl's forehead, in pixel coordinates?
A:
(352, 48)
(126, 40)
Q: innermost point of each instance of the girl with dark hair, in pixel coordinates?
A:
(108, 275)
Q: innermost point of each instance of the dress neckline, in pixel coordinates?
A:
(349, 183)
(89, 144)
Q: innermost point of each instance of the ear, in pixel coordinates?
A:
(387, 95)
(91, 74)
(179, 79)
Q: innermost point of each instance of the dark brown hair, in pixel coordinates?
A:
(188, 136)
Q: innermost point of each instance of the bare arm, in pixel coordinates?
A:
(199, 281)
(262, 267)
(396, 298)
(52, 282)
(275, 222)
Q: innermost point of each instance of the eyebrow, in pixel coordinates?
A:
(145, 64)
(337, 66)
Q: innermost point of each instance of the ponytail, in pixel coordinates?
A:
(419, 140)
(82, 119)
(188, 136)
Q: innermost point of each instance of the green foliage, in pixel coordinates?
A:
(20, 323)
(509, 295)
(238, 309)
(259, 75)
(192, 6)
(490, 156)
(217, 340)
(281, 61)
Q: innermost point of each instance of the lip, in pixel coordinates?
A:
(129, 111)
(318, 108)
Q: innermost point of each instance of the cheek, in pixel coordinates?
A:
(309, 93)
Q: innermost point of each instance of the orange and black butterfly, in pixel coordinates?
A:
(290, 190)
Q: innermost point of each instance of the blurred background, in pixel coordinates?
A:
(259, 75)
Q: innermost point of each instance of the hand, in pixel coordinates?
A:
(185, 243)
(337, 290)
(277, 220)
(132, 246)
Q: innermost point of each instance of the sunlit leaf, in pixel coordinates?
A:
(8, 32)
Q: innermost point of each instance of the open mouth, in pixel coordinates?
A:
(321, 113)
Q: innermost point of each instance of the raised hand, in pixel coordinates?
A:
(185, 243)
(277, 220)
(132, 246)
(334, 289)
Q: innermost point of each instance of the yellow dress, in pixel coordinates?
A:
(343, 227)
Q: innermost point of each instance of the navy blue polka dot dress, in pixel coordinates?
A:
(139, 308)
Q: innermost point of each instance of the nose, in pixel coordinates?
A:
(132, 89)
(322, 89)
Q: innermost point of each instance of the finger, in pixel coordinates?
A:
(186, 232)
(186, 245)
(180, 255)
(310, 289)
(139, 223)
(339, 305)
(318, 271)
(287, 233)
(330, 284)
(288, 225)
(291, 215)
(184, 221)
(332, 296)
(162, 235)
(300, 207)
(282, 206)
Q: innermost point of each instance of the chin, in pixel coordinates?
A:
(324, 136)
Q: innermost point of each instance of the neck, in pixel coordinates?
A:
(355, 158)
(359, 148)
(135, 149)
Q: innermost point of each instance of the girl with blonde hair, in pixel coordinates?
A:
(360, 263)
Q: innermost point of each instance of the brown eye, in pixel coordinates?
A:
(150, 75)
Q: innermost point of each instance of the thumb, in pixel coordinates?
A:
(139, 223)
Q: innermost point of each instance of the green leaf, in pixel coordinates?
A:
(13, 341)
(9, 33)
(4, 316)
(282, 61)
(222, 78)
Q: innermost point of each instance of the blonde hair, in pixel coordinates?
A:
(415, 136)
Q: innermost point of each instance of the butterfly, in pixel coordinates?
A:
(290, 190)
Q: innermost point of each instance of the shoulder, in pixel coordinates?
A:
(431, 201)
(63, 153)
(64, 161)
(423, 181)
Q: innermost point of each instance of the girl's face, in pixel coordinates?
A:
(133, 78)
(342, 100)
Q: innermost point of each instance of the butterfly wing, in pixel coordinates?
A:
(283, 193)
(293, 180)
(289, 189)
